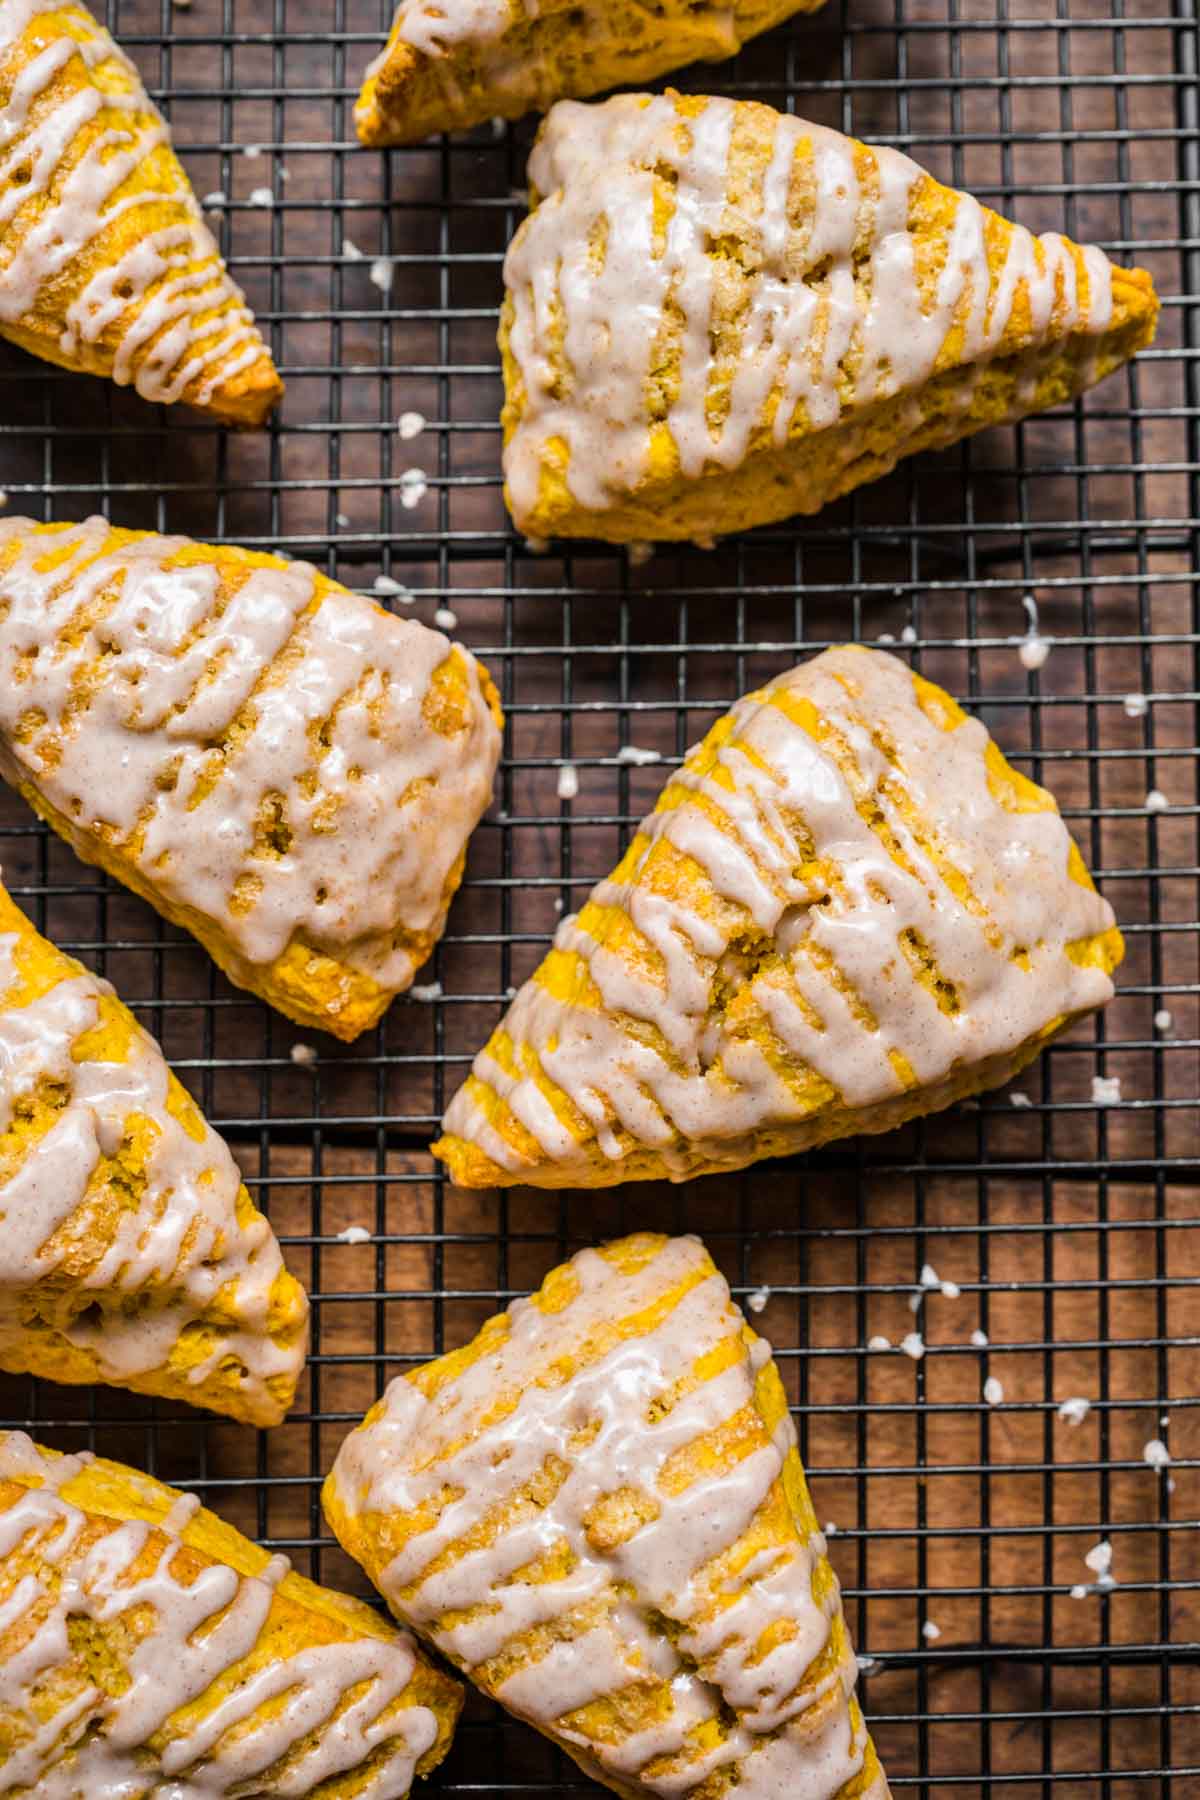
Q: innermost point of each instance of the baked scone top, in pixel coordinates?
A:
(100, 230)
(844, 900)
(699, 276)
(146, 1647)
(597, 1510)
(266, 749)
(126, 1232)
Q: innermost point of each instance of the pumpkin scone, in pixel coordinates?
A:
(130, 1250)
(717, 316)
(845, 910)
(148, 1651)
(450, 64)
(597, 1510)
(275, 763)
(106, 264)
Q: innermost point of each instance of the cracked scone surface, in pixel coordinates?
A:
(845, 910)
(106, 264)
(148, 1651)
(275, 763)
(450, 64)
(717, 316)
(597, 1510)
(130, 1250)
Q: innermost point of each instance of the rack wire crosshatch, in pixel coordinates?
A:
(1067, 1223)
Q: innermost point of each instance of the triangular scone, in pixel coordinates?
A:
(130, 1251)
(149, 1649)
(845, 910)
(450, 64)
(717, 316)
(106, 265)
(597, 1511)
(275, 763)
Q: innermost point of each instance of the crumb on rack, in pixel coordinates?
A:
(758, 1299)
(1075, 1409)
(1106, 1090)
(354, 1234)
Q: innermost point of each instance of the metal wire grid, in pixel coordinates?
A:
(1068, 1226)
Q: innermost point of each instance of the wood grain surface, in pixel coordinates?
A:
(1070, 1229)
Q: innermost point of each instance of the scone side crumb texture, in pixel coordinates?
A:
(275, 763)
(106, 264)
(846, 909)
(596, 1509)
(130, 1250)
(453, 64)
(145, 1641)
(816, 310)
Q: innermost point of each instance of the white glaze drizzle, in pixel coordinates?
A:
(180, 316)
(416, 1449)
(168, 1257)
(719, 1086)
(379, 805)
(594, 170)
(200, 1629)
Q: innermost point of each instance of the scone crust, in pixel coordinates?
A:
(833, 310)
(597, 1510)
(137, 291)
(291, 773)
(820, 930)
(364, 1708)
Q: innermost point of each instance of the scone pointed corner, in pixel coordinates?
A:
(107, 266)
(818, 309)
(814, 934)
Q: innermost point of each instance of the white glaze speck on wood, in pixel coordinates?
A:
(262, 748)
(136, 1663)
(127, 1239)
(844, 910)
(105, 261)
(629, 326)
(599, 1514)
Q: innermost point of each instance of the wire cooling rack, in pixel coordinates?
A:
(1066, 1222)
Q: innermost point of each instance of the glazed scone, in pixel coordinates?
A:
(272, 761)
(147, 1649)
(106, 265)
(450, 64)
(717, 316)
(130, 1250)
(596, 1509)
(845, 910)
